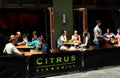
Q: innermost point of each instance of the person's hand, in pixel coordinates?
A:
(25, 39)
(116, 37)
(82, 45)
(22, 54)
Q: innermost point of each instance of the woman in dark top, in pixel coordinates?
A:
(86, 39)
(43, 47)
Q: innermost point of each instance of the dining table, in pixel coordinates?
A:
(31, 53)
(117, 45)
(72, 43)
(24, 48)
(111, 40)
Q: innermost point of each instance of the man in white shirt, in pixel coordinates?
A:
(62, 39)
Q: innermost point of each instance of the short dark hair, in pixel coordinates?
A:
(109, 29)
(98, 21)
(85, 33)
(118, 29)
(63, 31)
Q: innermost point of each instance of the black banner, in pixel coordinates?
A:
(53, 64)
(12, 67)
(101, 58)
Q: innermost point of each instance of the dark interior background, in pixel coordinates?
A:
(12, 20)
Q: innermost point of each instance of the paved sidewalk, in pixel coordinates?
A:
(109, 72)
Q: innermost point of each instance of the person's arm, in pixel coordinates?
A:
(21, 43)
(72, 38)
(4, 51)
(116, 37)
(79, 38)
(63, 40)
(105, 34)
(84, 44)
(113, 35)
(43, 48)
(97, 34)
(86, 39)
(28, 43)
(15, 50)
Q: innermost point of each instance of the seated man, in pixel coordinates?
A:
(18, 39)
(61, 40)
(10, 47)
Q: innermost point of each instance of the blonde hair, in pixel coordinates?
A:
(12, 37)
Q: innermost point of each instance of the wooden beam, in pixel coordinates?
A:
(51, 28)
(84, 17)
(0, 2)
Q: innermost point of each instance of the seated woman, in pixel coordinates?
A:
(76, 37)
(34, 35)
(86, 39)
(118, 36)
(43, 47)
(109, 34)
(39, 44)
(30, 42)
